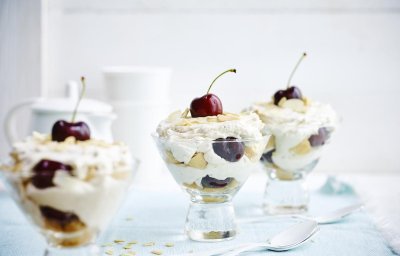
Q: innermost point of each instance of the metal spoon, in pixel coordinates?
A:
(338, 215)
(329, 218)
(288, 239)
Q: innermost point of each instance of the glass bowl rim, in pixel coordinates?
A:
(157, 137)
(4, 172)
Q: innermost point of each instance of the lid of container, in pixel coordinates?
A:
(68, 103)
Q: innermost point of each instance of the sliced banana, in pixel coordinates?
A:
(302, 148)
(198, 161)
(271, 144)
(170, 158)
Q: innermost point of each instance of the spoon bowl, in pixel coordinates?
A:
(293, 236)
(328, 218)
(338, 215)
(287, 239)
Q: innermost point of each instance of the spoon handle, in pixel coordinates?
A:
(243, 249)
(221, 251)
(259, 219)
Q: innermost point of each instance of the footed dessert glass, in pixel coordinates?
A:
(65, 232)
(212, 177)
(300, 129)
(288, 159)
(71, 198)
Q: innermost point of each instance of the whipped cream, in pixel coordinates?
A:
(184, 137)
(291, 123)
(81, 155)
(281, 120)
(244, 127)
(101, 173)
(187, 175)
(82, 198)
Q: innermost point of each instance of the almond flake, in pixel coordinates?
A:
(307, 101)
(169, 245)
(157, 252)
(149, 244)
(128, 246)
(174, 116)
(185, 113)
(232, 114)
(119, 241)
(184, 122)
(212, 119)
(109, 252)
(129, 253)
(282, 101)
(224, 118)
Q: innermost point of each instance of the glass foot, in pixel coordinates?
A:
(90, 250)
(211, 222)
(284, 209)
(285, 196)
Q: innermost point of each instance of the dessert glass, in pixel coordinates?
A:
(286, 190)
(300, 130)
(211, 186)
(96, 198)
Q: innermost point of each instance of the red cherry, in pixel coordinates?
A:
(209, 182)
(319, 139)
(44, 172)
(209, 104)
(62, 217)
(63, 129)
(229, 149)
(291, 92)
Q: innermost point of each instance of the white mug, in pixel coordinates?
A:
(140, 98)
(137, 84)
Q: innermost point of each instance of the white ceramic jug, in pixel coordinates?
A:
(45, 112)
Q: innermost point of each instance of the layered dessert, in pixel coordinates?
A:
(300, 128)
(68, 183)
(208, 150)
(70, 187)
(210, 154)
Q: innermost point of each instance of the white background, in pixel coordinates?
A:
(353, 63)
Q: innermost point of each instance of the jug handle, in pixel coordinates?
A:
(10, 123)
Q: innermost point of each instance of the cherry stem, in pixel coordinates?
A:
(295, 68)
(215, 79)
(79, 100)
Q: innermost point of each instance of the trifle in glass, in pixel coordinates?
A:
(70, 189)
(210, 156)
(69, 184)
(300, 128)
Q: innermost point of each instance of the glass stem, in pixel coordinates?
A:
(211, 221)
